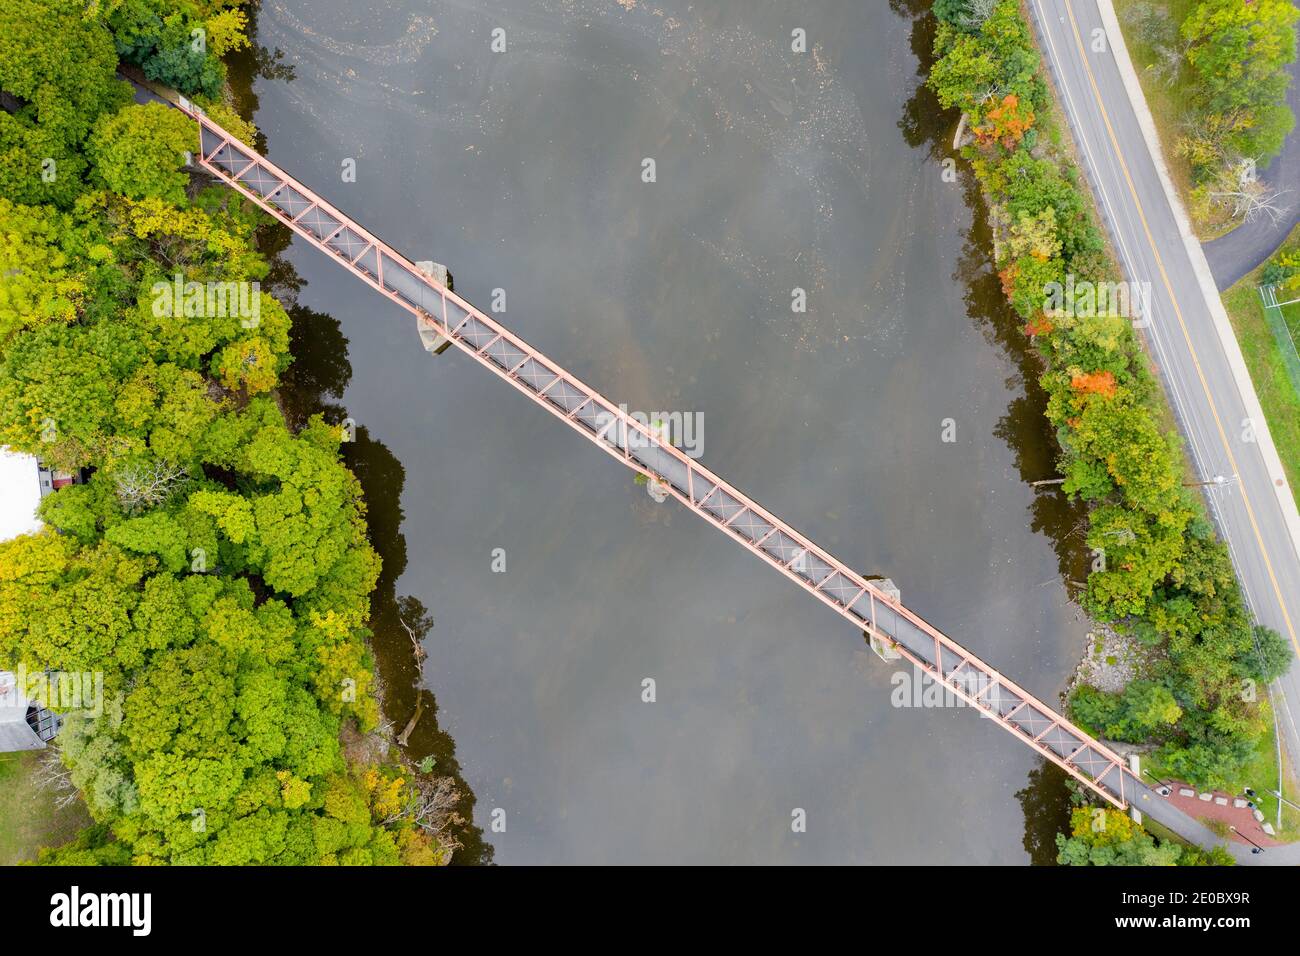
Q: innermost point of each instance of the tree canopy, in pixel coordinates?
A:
(58, 71)
(215, 567)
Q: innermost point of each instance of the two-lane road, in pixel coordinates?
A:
(1187, 336)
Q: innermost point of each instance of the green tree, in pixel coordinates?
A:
(954, 12)
(58, 71)
(1148, 708)
(170, 44)
(41, 277)
(1213, 761)
(1143, 710)
(139, 151)
(1272, 657)
(1107, 837)
(1239, 52)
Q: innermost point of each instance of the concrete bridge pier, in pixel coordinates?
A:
(656, 489)
(432, 341)
(885, 648)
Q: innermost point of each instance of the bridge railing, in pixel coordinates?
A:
(642, 449)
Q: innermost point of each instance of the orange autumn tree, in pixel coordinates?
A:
(1006, 123)
(1094, 383)
(1008, 277)
(1040, 324)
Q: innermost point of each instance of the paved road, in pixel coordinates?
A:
(1240, 251)
(1198, 360)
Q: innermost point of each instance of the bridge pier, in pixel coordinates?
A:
(655, 488)
(885, 649)
(888, 587)
(432, 340)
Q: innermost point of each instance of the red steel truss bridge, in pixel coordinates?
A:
(864, 604)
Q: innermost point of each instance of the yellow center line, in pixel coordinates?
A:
(1182, 323)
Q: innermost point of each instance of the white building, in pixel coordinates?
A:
(20, 493)
(24, 725)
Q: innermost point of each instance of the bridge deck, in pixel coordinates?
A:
(638, 447)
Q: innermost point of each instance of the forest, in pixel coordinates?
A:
(214, 566)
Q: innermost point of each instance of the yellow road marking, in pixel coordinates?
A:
(1196, 362)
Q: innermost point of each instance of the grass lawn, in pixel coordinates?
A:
(1163, 833)
(1290, 831)
(1262, 772)
(28, 818)
(1277, 394)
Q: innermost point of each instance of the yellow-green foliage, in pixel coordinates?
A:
(215, 569)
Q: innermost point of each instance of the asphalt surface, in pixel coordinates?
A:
(1233, 255)
(1195, 362)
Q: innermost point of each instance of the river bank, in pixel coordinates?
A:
(213, 571)
(409, 734)
(1146, 575)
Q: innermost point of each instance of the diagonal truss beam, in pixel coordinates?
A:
(640, 448)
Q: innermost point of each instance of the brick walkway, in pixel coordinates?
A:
(1209, 810)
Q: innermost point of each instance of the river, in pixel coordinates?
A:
(774, 170)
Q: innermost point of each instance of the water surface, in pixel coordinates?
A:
(522, 171)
